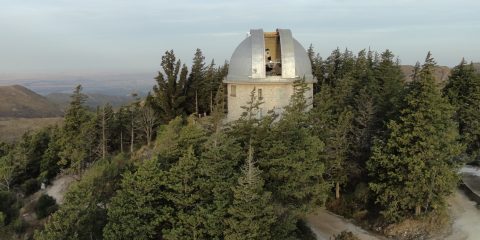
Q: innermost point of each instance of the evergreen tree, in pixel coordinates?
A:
(196, 84)
(252, 212)
(219, 165)
(463, 91)
(415, 168)
(210, 87)
(333, 126)
(390, 80)
(336, 151)
(173, 138)
(147, 120)
(169, 93)
(139, 209)
(121, 127)
(83, 213)
(218, 113)
(363, 128)
(184, 193)
(49, 167)
(105, 118)
(76, 138)
(318, 68)
(289, 157)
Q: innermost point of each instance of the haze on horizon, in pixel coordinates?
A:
(55, 37)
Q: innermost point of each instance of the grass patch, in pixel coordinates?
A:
(12, 129)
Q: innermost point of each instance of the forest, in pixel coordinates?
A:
(373, 148)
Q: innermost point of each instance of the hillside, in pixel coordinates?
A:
(93, 100)
(19, 101)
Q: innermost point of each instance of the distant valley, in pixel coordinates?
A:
(23, 110)
(107, 84)
(94, 99)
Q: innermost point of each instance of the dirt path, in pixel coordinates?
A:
(58, 187)
(466, 218)
(464, 212)
(326, 224)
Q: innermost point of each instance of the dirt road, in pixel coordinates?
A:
(326, 224)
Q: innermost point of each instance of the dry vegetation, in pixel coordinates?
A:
(18, 101)
(12, 129)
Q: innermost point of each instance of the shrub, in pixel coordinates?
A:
(344, 235)
(8, 206)
(45, 206)
(19, 225)
(30, 186)
(304, 232)
(2, 219)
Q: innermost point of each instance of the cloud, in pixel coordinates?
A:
(127, 35)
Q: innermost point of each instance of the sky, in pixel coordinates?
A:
(130, 36)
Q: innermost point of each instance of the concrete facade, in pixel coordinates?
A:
(275, 96)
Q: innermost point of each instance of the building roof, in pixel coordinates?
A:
(248, 63)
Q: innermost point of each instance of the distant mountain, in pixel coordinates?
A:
(18, 101)
(108, 84)
(93, 100)
(441, 73)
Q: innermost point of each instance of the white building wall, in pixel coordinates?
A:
(275, 97)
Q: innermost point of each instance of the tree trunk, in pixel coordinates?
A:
(149, 137)
(121, 141)
(418, 210)
(132, 137)
(104, 140)
(196, 102)
(211, 102)
(337, 190)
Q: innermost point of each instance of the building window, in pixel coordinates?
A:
(260, 94)
(233, 91)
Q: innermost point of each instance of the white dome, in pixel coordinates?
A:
(248, 63)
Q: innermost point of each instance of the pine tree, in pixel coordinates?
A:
(78, 128)
(147, 120)
(218, 113)
(139, 210)
(333, 126)
(389, 78)
(105, 117)
(83, 213)
(289, 157)
(121, 127)
(219, 165)
(252, 213)
(184, 193)
(173, 138)
(169, 94)
(336, 151)
(363, 127)
(463, 91)
(415, 168)
(210, 87)
(196, 84)
(49, 167)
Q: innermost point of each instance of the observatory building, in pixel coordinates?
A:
(268, 62)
